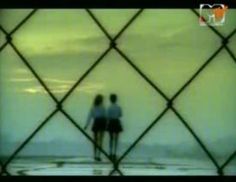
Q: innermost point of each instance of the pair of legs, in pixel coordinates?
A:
(98, 138)
(113, 143)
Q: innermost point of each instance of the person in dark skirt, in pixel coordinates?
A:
(114, 124)
(98, 114)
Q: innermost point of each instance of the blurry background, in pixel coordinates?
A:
(169, 46)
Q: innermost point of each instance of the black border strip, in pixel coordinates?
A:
(112, 4)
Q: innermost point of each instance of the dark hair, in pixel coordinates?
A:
(98, 100)
(113, 98)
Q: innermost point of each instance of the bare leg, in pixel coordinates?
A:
(95, 147)
(111, 143)
(116, 137)
(100, 141)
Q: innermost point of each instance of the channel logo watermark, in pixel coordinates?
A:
(212, 15)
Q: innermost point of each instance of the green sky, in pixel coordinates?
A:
(167, 45)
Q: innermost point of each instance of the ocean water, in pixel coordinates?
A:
(86, 166)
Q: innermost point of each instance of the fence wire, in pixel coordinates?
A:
(114, 46)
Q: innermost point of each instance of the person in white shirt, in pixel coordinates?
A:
(114, 124)
(98, 114)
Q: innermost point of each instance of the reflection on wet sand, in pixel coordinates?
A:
(80, 166)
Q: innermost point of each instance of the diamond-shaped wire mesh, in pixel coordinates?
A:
(118, 46)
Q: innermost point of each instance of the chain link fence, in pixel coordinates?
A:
(170, 101)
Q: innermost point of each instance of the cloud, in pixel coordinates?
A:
(21, 70)
(93, 44)
(66, 46)
(21, 80)
(88, 40)
(88, 88)
(49, 80)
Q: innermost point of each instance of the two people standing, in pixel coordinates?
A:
(105, 120)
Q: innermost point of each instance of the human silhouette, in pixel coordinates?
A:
(98, 114)
(114, 125)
